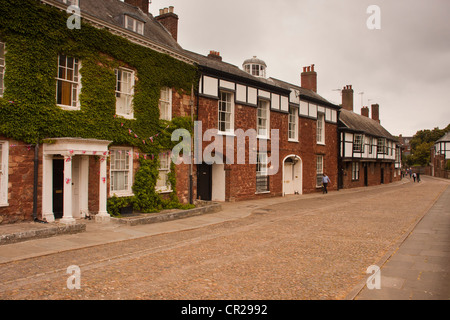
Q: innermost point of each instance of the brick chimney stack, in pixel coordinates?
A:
(309, 78)
(214, 55)
(347, 98)
(365, 111)
(169, 20)
(142, 4)
(376, 112)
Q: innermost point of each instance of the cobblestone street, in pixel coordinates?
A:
(310, 248)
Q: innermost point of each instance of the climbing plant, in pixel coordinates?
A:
(35, 34)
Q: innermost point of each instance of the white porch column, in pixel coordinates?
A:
(67, 209)
(47, 189)
(102, 211)
(84, 185)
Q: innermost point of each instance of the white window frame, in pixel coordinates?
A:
(293, 124)
(320, 132)
(163, 184)
(2, 67)
(263, 119)
(381, 147)
(358, 143)
(127, 95)
(136, 25)
(75, 82)
(165, 104)
(4, 173)
(226, 107)
(355, 171)
(128, 171)
(262, 171)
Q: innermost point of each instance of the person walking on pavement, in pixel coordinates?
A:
(325, 182)
(414, 176)
(418, 177)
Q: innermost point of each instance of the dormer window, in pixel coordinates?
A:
(134, 25)
(256, 67)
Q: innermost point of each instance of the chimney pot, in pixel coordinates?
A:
(169, 20)
(376, 112)
(141, 4)
(347, 98)
(309, 78)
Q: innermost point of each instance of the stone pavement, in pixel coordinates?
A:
(420, 268)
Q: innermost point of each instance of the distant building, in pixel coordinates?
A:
(440, 157)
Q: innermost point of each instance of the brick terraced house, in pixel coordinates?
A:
(291, 160)
(90, 108)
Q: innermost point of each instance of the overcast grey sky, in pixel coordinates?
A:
(404, 66)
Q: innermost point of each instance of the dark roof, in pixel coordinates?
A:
(210, 64)
(446, 137)
(359, 123)
(113, 11)
(305, 93)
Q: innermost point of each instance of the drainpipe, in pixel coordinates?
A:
(35, 185)
(191, 182)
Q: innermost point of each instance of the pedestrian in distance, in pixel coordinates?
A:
(414, 176)
(325, 182)
(418, 177)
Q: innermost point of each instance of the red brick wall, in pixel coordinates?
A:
(241, 179)
(373, 174)
(20, 183)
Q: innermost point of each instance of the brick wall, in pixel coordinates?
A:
(20, 183)
(241, 178)
(373, 174)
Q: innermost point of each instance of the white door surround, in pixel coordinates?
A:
(76, 153)
(292, 175)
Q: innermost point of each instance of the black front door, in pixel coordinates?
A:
(382, 175)
(366, 180)
(204, 181)
(58, 188)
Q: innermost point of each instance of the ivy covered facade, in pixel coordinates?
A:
(86, 114)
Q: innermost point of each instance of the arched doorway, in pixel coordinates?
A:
(292, 175)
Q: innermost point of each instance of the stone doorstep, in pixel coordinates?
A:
(148, 218)
(41, 232)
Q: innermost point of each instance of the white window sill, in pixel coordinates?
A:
(262, 192)
(293, 140)
(226, 133)
(4, 205)
(263, 137)
(321, 143)
(125, 116)
(164, 191)
(122, 194)
(68, 108)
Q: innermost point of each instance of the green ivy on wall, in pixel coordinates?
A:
(35, 35)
